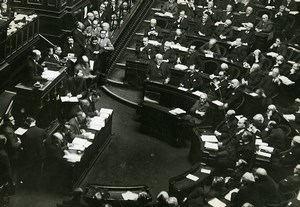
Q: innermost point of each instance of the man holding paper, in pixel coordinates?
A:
(78, 125)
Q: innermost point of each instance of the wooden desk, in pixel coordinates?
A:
(41, 102)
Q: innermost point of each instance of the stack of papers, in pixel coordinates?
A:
(50, 74)
(209, 55)
(179, 47)
(263, 154)
(180, 67)
(72, 157)
(266, 149)
(289, 117)
(154, 42)
(183, 89)
(104, 115)
(90, 135)
(130, 196)
(96, 123)
(218, 103)
(20, 131)
(286, 81)
(69, 99)
(177, 111)
(82, 142)
(209, 138)
(272, 54)
(216, 203)
(260, 142)
(206, 171)
(228, 196)
(198, 93)
(211, 146)
(192, 177)
(106, 111)
(166, 14)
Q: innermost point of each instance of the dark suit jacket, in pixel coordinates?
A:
(192, 80)
(204, 28)
(281, 50)
(234, 97)
(225, 31)
(75, 49)
(169, 55)
(75, 128)
(223, 16)
(79, 38)
(33, 146)
(189, 11)
(237, 54)
(196, 118)
(253, 78)
(167, 7)
(290, 183)
(247, 194)
(76, 86)
(181, 39)
(292, 6)
(192, 59)
(275, 3)
(158, 74)
(5, 167)
(250, 59)
(275, 138)
(268, 190)
(269, 86)
(246, 152)
(266, 27)
(183, 24)
(151, 36)
(246, 19)
(215, 49)
(248, 37)
(147, 53)
(32, 71)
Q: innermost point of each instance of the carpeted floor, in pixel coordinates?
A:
(131, 158)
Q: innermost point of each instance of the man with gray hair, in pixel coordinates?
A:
(33, 70)
(158, 71)
(265, 25)
(153, 32)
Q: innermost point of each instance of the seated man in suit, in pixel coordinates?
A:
(168, 53)
(181, 22)
(171, 7)
(192, 80)
(218, 84)
(211, 48)
(76, 85)
(278, 47)
(248, 35)
(281, 64)
(292, 182)
(226, 14)
(281, 23)
(252, 77)
(290, 5)
(190, 9)
(153, 32)
(210, 11)
(234, 95)
(198, 112)
(254, 57)
(265, 25)
(274, 136)
(248, 17)
(55, 55)
(146, 51)
(237, 52)
(191, 58)
(227, 128)
(224, 31)
(229, 71)
(33, 70)
(71, 47)
(158, 70)
(78, 125)
(270, 84)
(178, 37)
(204, 26)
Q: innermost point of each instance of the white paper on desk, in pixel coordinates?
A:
(154, 42)
(209, 138)
(253, 94)
(107, 111)
(168, 14)
(92, 64)
(272, 54)
(76, 147)
(209, 55)
(72, 157)
(263, 154)
(192, 177)
(130, 196)
(294, 12)
(20, 131)
(73, 99)
(180, 67)
(79, 141)
(286, 80)
(211, 146)
(50, 74)
(266, 148)
(218, 103)
(104, 115)
(289, 117)
(90, 135)
(258, 141)
(216, 203)
(198, 93)
(206, 171)
(228, 196)
(159, 14)
(177, 111)
(183, 89)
